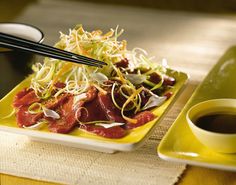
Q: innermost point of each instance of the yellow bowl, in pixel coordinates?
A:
(220, 142)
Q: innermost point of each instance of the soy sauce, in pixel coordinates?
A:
(220, 123)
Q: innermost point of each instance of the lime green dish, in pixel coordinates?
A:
(82, 139)
(180, 144)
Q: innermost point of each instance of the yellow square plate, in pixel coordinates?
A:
(179, 144)
(82, 139)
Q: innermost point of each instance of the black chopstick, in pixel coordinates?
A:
(14, 42)
(22, 40)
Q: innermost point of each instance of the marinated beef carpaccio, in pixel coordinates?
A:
(108, 101)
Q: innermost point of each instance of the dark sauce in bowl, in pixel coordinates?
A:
(220, 123)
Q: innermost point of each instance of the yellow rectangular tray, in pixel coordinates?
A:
(82, 139)
(179, 144)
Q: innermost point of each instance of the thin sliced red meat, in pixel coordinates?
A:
(124, 63)
(63, 125)
(113, 132)
(155, 78)
(91, 94)
(24, 118)
(142, 118)
(68, 115)
(22, 93)
(67, 119)
(93, 112)
(169, 81)
(53, 103)
(101, 108)
(168, 94)
(59, 85)
(111, 112)
(145, 95)
(25, 97)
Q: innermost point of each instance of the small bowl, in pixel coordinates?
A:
(22, 30)
(19, 59)
(219, 142)
(16, 63)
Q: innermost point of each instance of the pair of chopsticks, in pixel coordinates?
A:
(13, 42)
